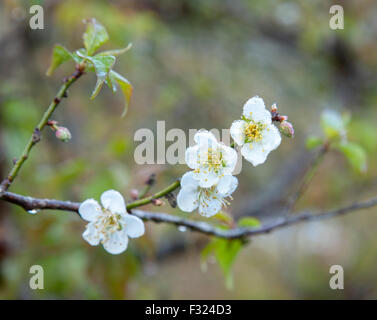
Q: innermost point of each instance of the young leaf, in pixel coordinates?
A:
(333, 124)
(124, 84)
(313, 142)
(102, 66)
(223, 217)
(249, 222)
(94, 36)
(355, 155)
(59, 56)
(115, 52)
(226, 252)
(205, 253)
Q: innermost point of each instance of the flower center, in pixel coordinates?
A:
(107, 224)
(208, 194)
(212, 159)
(253, 131)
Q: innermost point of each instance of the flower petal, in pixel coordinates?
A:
(230, 158)
(117, 242)
(89, 209)
(189, 182)
(206, 178)
(187, 200)
(113, 201)
(271, 137)
(134, 226)
(227, 185)
(255, 153)
(191, 156)
(254, 109)
(210, 208)
(237, 131)
(91, 235)
(205, 137)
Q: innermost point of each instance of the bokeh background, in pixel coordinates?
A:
(193, 64)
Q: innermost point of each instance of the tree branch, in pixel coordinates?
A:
(35, 137)
(29, 203)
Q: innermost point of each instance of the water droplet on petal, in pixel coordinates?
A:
(182, 228)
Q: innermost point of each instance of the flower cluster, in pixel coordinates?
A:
(209, 186)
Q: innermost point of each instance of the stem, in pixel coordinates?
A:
(157, 195)
(35, 138)
(145, 191)
(309, 175)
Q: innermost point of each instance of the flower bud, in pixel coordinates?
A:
(157, 202)
(134, 194)
(286, 129)
(274, 108)
(63, 134)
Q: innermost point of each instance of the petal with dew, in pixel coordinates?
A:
(91, 235)
(187, 200)
(271, 137)
(205, 137)
(227, 185)
(134, 226)
(230, 158)
(117, 242)
(210, 207)
(113, 201)
(255, 153)
(254, 109)
(89, 210)
(237, 131)
(191, 157)
(206, 178)
(189, 182)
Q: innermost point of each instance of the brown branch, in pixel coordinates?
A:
(29, 203)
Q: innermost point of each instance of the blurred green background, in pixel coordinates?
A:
(193, 64)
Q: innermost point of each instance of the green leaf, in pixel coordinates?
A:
(102, 66)
(115, 52)
(94, 37)
(249, 222)
(205, 253)
(333, 124)
(313, 142)
(224, 217)
(125, 86)
(355, 155)
(59, 56)
(225, 252)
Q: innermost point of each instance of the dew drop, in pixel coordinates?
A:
(33, 211)
(182, 228)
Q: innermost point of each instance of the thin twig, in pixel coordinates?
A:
(160, 194)
(35, 137)
(311, 171)
(29, 203)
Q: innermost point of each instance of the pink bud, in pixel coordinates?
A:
(63, 134)
(134, 194)
(157, 202)
(286, 129)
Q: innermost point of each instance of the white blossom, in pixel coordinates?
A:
(210, 159)
(255, 133)
(209, 201)
(110, 224)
